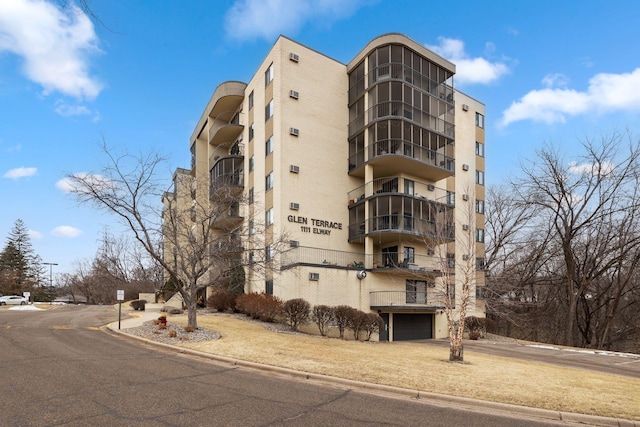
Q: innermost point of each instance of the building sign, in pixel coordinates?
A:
(315, 226)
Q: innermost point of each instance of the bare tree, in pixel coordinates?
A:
(194, 232)
(570, 240)
(455, 252)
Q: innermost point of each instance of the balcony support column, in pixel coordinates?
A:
(368, 241)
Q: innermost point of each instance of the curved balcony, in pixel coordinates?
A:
(224, 133)
(227, 174)
(392, 155)
(394, 216)
(230, 219)
(226, 100)
(393, 185)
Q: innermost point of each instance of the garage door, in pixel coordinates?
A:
(412, 326)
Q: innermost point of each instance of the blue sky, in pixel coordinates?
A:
(547, 71)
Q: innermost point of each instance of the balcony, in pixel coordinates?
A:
(392, 155)
(227, 174)
(327, 258)
(224, 133)
(391, 185)
(428, 299)
(229, 219)
(417, 265)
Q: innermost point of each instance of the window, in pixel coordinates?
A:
(251, 195)
(268, 182)
(480, 235)
(479, 149)
(480, 177)
(480, 263)
(416, 291)
(269, 253)
(268, 287)
(451, 198)
(268, 75)
(268, 111)
(251, 100)
(451, 260)
(251, 164)
(451, 290)
(252, 229)
(251, 131)
(268, 217)
(480, 120)
(480, 292)
(409, 254)
(268, 146)
(408, 186)
(480, 206)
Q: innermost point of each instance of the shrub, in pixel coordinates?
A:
(475, 326)
(343, 314)
(174, 310)
(357, 322)
(189, 328)
(247, 304)
(172, 333)
(262, 306)
(296, 312)
(222, 301)
(322, 316)
(269, 307)
(373, 325)
(138, 304)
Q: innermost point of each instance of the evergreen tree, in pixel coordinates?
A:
(20, 266)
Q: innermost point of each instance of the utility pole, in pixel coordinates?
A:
(50, 264)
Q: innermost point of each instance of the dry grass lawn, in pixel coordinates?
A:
(426, 368)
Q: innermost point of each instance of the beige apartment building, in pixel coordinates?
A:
(373, 171)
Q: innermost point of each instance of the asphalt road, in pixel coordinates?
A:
(58, 368)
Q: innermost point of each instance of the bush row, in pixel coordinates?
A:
(297, 312)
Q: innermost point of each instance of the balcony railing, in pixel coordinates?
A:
(403, 299)
(303, 255)
(415, 263)
(402, 224)
(390, 184)
(225, 181)
(400, 147)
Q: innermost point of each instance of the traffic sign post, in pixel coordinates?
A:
(120, 298)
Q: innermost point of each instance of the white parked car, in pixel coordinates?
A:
(13, 299)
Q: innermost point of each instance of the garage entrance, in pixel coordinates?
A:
(412, 326)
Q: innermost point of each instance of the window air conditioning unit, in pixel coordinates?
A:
(314, 276)
(294, 206)
(293, 57)
(430, 252)
(431, 187)
(465, 167)
(465, 107)
(465, 227)
(465, 257)
(294, 131)
(294, 169)
(294, 243)
(465, 197)
(294, 94)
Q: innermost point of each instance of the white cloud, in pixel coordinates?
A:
(67, 185)
(68, 110)
(266, 19)
(66, 231)
(35, 235)
(602, 169)
(55, 45)
(469, 70)
(606, 93)
(555, 80)
(18, 173)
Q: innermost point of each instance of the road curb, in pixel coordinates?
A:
(443, 399)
